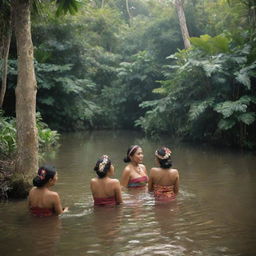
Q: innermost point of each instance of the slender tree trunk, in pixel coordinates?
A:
(102, 3)
(128, 11)
(6, 39)
(27, 142)
(183, 24)
(252, 16)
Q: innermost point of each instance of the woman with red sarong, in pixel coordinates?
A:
(41, 200)
(105, 190)
(163, 180)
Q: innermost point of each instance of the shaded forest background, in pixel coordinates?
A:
(113, 66)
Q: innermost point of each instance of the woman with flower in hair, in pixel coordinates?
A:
(134, 174)
(163, 180)
(105, 190)
(41, 200)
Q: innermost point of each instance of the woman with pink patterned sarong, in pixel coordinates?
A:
(105, 190)
(163, 180)
(134, 174)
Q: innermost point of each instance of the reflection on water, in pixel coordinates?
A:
(214, 213)
(45, 235)
(24, 234)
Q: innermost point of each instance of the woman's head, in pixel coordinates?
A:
(103, 166)
(135, 153)
(163, 156)
(45, 174)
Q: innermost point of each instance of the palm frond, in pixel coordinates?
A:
(65, 6)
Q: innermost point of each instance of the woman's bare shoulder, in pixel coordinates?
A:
(142, 166)
(127, 169)
(53, 194)
(154, 169)
(32, 190)
(115, 181)
(153, 172)
(174, 171)
(94, 180)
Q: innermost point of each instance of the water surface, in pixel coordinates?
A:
(214, 213)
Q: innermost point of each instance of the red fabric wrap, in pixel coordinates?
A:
(105, 201)
(41, 212)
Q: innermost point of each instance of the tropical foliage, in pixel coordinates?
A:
(7, 135)
(113, 67)
(48, 139)
(208, 93)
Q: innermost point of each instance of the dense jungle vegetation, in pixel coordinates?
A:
(122, 64)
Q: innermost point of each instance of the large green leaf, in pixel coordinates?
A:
(212, 45)
(198, 108)
(160, 90)
(227, 108)
(226, 124)
(243, 75)
(247, 118)
(244, 79)
(151, 103)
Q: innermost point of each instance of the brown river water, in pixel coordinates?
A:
(214, 214)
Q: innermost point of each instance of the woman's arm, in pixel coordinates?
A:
(150, 181)
(29, 198)
(125, 177)
(57, 204)
(118, 193)
(91, 186)
(177, 183)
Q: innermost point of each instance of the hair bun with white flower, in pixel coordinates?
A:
(163, 153)
(102, 164)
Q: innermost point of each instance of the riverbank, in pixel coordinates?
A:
(12, 185)
(6, 172)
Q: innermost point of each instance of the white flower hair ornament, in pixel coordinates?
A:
(102, 165)
(167, 154)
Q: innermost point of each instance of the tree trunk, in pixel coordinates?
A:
(6, 40)
(27, 142)
(183, 24)
(128, 12)
(252, 14)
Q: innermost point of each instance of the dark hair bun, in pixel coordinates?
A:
(44, 174)
(127, 159)
(165, 163)
(37, 182)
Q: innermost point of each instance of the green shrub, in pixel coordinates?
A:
(7, 135)
(47, 138)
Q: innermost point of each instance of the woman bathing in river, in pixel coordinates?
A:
(163, 180)
(105, 190)
(41, 200)
(134, 174)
